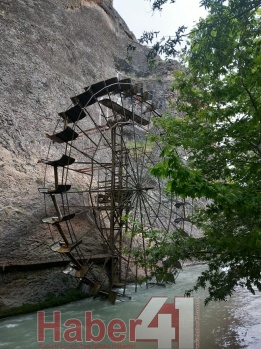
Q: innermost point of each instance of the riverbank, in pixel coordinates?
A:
(234, 324)
(67, 293)
(51, 300)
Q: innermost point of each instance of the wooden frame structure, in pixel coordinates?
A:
(101, 170)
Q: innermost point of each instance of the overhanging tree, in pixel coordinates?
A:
(216, 121)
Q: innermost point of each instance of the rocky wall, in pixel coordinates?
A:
(50, 50)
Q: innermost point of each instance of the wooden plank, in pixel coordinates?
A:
(129, 115)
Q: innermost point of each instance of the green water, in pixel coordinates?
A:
(233, 324)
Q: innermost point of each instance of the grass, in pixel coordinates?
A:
(51, 301)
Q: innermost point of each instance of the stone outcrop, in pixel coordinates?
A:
(50, 50)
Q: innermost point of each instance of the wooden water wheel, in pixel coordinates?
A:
(100, 155)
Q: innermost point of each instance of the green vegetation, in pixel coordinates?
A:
(51, 301)
(138, 148)
(217, 125)
(151, 256)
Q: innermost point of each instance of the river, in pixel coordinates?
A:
(234, 324)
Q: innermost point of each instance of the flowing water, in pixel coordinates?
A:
(234, 324)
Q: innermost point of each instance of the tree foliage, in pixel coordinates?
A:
(170, 45)
(216, 121)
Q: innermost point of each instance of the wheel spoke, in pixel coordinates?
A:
(110, 157)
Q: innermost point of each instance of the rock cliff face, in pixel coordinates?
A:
(50, 50)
